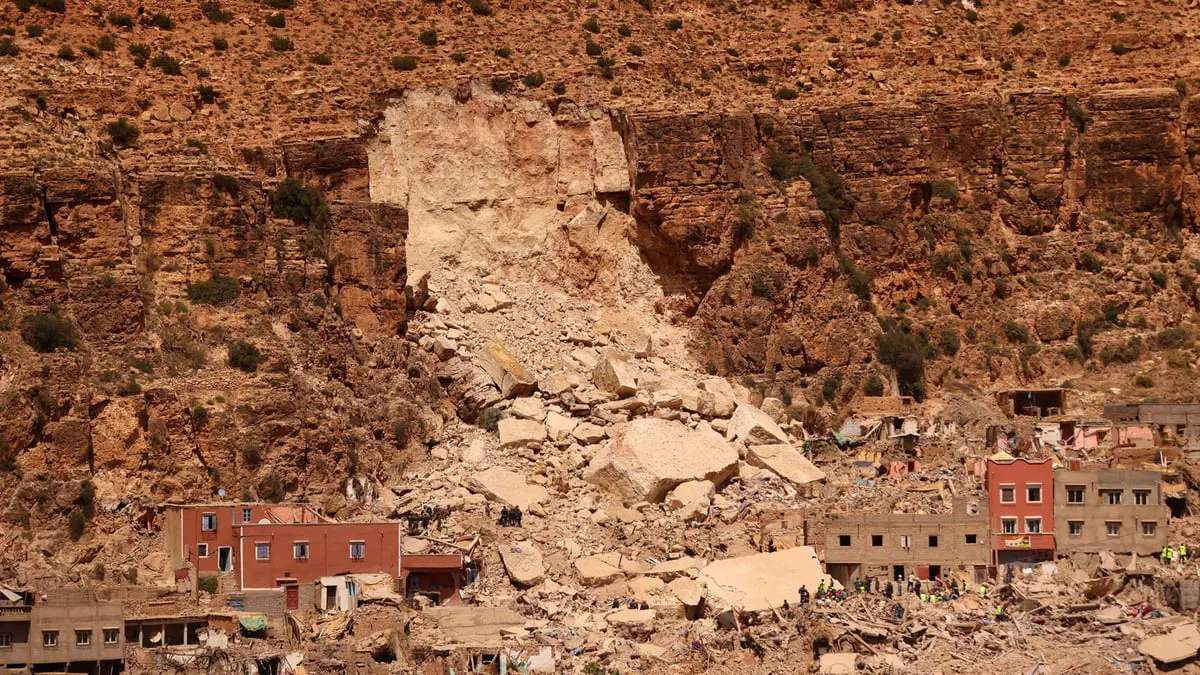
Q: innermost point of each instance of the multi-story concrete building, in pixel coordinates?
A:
(1021, 502)
(899, 545)
(69, 628)
(1110, 510)
(205, 534)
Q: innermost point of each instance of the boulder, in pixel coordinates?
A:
(529, 408)
(724, 399)
(759, 582)
(649, 457)
(636, 621)
(1178, 645)
(753, 426)
(704, 402)
(671, 569)
(613, 373)
(596, 572)
(588, 433)
(775, 409)
(691, 491)
(555, 383)
(524, 565)
(416, 287)
(504, 486)
(509, 375)
(518, 432)
(686, 591)
(785, 461)
(560, 426)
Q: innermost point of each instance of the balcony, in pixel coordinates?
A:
(18, 613)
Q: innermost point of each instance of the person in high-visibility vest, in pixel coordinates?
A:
(982, 590)
(999, 612)
(1164, 556)
(1183, 552)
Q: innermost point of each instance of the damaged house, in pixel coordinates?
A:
(66, 630)
(1111, 510)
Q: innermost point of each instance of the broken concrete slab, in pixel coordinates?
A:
(523, 562)
(762, 581)
(596, 572)
(476, 625)
(501, 485)
(785, 461)
(754, 427)
(509, 375)
(1179, 645)
(516, 432)
(649, 457)
(615, 374)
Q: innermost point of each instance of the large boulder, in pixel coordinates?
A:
(524, 564)
(635, 621)
(649, 457)
(594, 571)
(753, 426)
(515, 432)
(504, 486)
(613, 373)
(509, 375)
(756, 583)
(785, 461)
(686, 493)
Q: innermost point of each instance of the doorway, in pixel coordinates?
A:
(292, 593)
(898, 572)
(331, 597)
(935, 571)
(225, 559)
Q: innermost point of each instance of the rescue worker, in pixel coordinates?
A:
(1164, 556)
(821, 590)
(1183, 552)
(804, 594)
(982, 590)
(999, 612)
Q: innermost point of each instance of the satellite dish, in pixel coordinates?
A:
(220, 492)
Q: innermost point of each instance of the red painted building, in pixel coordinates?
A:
(1021, 503)
(282, 554)
(206, 535)
(439, 577)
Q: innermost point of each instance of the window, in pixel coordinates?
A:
(1008, 525)
(1141, 497)
(358, 549)
(49, 638)
(208, 522)
(1110, 496)
(972, 539)
(247, 515)
(300, 550)
(202, 550)
(905, 541)
(1075, 494)
(112, 636)
(1033, 493)
(933, 542)
(877, 540)
(1113, 528)
(1008, 494)
(83, 638)
(843, 540)
(1033, 525)
(1075, 528)
(262, 551)
(5, 640)
(1149, 528)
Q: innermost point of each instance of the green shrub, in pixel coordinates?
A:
(458, 57)
(213, 10)
(139, 50)
(759, 78)
(1122, 353)
(501, 85)
(1119, 50)
(1159, 278)
(77, 524)
(560, 88)
(1079, 117)
(945, 189)
(207, 583)
(489, 418)
(225, 183)
(321, 59)
(220, 44)
(46, 332)
(252, 456)
(624, 31)
(480, 7)
(428, 37)
(592, 49)
(217, 291)
(873, 385)
(167, 64)
(35, 30)
(301, 204)
(107, 43)
(1016, 29)
(616, 90)
(120, 20)
(859, 280)
(1089, 262)
(1006, 65)
(635, 50)
(163, 22)
(206, 93)
(948, 342)
(534, 80)
(1064, 60)
(674, 24)
(282, 44)
(8, 47)
(281, 4)
(272, 489)
(277, 20)
(245, 356)
(1016, 332)
(1173, 338)
(98, 571)
(906, 355)
(404, 63)
(830, 388)
(832, 194)
(591, 25)
(786, 94)
(503, 52)
(129, 387)
(1144, 381)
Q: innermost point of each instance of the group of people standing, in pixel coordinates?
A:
(1173, 556)
(935, 590)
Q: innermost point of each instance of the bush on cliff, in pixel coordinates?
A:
(47, 332)
(299, 203)
(245, 356)
(832, 194)
(217, 291)
(873, 386)
(123, 132)
(906, 355)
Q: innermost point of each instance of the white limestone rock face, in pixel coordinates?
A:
(650, 456)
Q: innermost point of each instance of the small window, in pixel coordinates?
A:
(1075, 494)
(5, 640)
(1111, 496)
(202, 550)
(1008, 525)
(972, 539)
(877, 540)
(1075, 528)
(358, 549)
(112, 636)
(1149, 528)
(247, 515)
(208, 522)
(1113, 528)
(1141, 497)
(933, 541)
(1008, 494)
(905, 541)
(262, 551)
(300, 550)
(843, 540)
(49, 638)
(83, 638)
(1033, 525)
(1033, 494)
